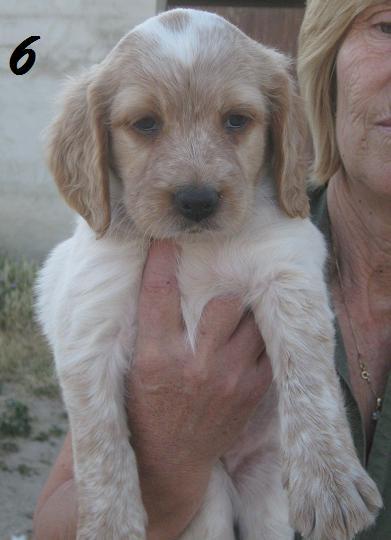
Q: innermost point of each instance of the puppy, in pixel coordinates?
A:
(190, 130)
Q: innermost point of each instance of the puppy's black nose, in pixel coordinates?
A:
(196, 202)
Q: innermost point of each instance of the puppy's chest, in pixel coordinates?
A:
(106, 283)
(204, 272)
(229, 269)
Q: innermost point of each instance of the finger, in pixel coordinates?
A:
(159, 310)
(258, 379)
(247, 337)
(219, 320)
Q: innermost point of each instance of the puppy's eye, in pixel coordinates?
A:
(235, 122)
(147, 125)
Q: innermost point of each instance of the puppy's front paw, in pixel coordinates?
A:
(334, 501)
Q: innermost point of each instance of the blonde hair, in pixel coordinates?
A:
(324, 26)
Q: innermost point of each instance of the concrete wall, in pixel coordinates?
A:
(74, 34)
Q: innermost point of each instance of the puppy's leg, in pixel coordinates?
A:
(257, 475)
(90, 319)
(109, 500)
(264, 512)
(215, 519)
(330, 494)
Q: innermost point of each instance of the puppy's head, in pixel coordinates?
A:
(186, 111)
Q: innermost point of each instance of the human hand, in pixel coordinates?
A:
(186, 410)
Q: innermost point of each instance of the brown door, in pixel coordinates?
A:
(274, 23)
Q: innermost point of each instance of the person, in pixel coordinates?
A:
(344, 69)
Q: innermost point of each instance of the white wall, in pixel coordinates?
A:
(74, 34)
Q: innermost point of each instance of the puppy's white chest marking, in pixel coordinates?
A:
(245, 265)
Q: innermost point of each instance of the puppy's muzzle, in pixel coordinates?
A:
(196, 202)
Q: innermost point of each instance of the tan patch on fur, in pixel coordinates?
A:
(78, 153)
(289, 167)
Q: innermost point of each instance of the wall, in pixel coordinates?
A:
(74, 34)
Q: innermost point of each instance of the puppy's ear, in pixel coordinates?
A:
(77, 146)
(288, 132)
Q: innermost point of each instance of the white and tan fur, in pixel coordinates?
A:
(190, 70)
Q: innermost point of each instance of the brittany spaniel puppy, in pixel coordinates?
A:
(192, 131)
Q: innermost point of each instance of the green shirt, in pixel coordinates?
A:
(378, 464)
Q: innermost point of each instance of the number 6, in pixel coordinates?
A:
(19, 52)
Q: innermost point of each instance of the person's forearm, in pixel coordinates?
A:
(57, 517)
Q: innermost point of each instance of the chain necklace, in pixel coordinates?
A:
(365, 375)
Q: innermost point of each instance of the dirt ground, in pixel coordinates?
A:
(25, 461)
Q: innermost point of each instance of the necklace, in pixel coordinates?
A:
(365, 375)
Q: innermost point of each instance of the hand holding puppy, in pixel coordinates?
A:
(187, 410)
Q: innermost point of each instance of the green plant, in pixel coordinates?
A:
(15, 420)
(25, 470)
(42, 436)
(56, 431)
(9, 447)
(16, 299)
(4, 467)
(25, 359)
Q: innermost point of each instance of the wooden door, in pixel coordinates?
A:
(274, 23)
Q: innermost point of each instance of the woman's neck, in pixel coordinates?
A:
(361, 223)
(361, 289)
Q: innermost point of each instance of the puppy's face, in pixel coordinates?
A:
(189, 125)
(183, 111)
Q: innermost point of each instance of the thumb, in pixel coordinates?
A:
(159, 309)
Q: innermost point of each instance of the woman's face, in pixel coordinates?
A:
(364, 99)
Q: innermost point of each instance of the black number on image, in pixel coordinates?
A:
(20, 51)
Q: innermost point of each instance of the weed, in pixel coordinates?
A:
(25, 358)
(42, 436)
(9, 447)
(15, 420)
(56, 431)
(16, 302)
(4, 467)
(25, 470)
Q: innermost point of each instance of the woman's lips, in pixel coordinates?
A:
(386, 123)
(385, 126)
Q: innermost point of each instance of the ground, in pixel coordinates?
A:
(25, 460)
(33, 422)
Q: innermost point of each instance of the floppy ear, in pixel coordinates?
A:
(288, 130)
(77, 152)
